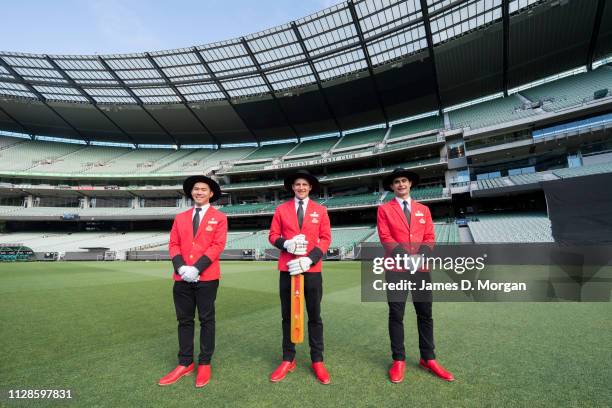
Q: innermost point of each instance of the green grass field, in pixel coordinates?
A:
(107, 331)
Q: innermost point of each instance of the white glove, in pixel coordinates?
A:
(190, 273)
(296, 245)
(299, 265)
(415, 262)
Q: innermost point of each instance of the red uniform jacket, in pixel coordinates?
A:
(397, 236)
(204, 250)
(315, 227)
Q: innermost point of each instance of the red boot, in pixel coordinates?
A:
(396, 372)
(203, 375)
(436, 369)
(174, 375)
(321, 372)
(282, 370)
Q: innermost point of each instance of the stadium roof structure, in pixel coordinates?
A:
(358, 63)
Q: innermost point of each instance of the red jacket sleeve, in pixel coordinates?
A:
(274, 236)
(218, 242)
(324, 233)
(175, 240)
(324, 239)
(174, 246)
(430, 235)
(384, 233)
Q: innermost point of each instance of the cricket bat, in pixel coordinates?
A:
(297, 309)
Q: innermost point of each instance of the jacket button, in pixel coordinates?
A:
(190, 256)
(192, 243)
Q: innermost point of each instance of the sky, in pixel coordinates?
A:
(115, 26)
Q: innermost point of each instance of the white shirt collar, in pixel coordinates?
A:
(204, 208)
(297, 202)
(401, 202)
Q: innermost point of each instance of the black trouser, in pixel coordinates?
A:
(422, 306)
(186, 297)
(313, 293)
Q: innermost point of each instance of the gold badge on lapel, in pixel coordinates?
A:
(418, 214)
(213, 221)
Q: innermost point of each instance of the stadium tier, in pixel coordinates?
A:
(81, 241)
(599, 168)
(497, 183)
(353, 200)
(367, 137)
(447, 233)
(511, 228)
(248, 208)
(29, 154)
(344, 238)
(431, 123)
(270, 151)
(334, 203)
(489, 113)
(314, 146)
(19, 156)
(405, 143)
(255, 240)
(572, 90)
(38, 157)
(527, 178)
(423, 193)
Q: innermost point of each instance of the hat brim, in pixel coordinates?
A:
(314, 182)
(410, 175)
(212, 184)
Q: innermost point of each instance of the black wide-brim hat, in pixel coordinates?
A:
(400, 172)
(212, 184)
(305, 174)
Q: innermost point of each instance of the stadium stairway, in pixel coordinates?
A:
(465, 236)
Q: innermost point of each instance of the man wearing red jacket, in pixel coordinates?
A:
(301, 230)
(197, 239)
(405, 227)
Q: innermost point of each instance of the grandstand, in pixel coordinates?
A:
(350, 103)
(21, 156)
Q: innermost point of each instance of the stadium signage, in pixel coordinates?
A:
(302, 163)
